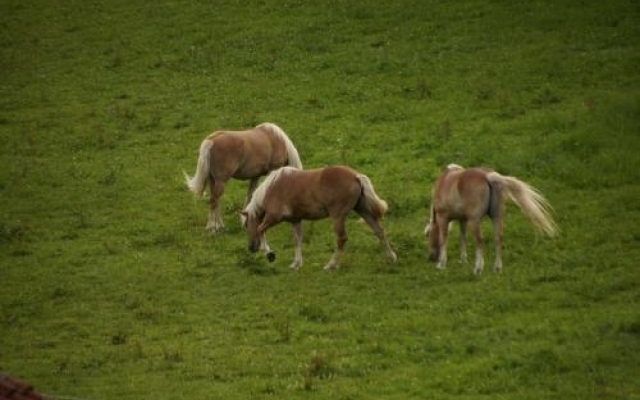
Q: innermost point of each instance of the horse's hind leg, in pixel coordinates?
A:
(379, 232)
(297, 235)
(341, 239)
(497, 234)
(463, 242)
(444, 231)
(215, 219)
(477, 234)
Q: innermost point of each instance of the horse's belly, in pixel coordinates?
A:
(294, 215)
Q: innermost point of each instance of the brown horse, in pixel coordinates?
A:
(293, 195)
(245, 155)
(467, 195)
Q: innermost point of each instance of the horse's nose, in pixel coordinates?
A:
(253, 247)
(433, 256)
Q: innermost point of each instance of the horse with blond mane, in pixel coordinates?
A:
(467, 195)
(292, 195)
(244, 155)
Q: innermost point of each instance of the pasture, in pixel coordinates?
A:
(111, 288)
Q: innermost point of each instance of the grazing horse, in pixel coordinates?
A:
(467, 195)
(245, 155)
(292, 195)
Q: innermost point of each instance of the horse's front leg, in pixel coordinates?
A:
(297, 236)
(341, 239)
(215, 219)
(444, 232)
(264, 246)
(268, 221)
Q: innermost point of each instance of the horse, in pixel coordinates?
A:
(244, 155)
(292, 195)
(466, 196)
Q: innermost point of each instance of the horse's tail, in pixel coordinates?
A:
(198, 182)
(292, 153)
(370, 200)
(532, 203)
(432, 219)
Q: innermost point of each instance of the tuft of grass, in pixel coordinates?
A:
(319, 367)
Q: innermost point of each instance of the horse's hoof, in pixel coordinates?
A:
(214, 230)
(295, 266)
(271, 256)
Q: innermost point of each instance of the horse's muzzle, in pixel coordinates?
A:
(433, 256)
(253, 247)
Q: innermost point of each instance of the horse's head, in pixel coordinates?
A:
(432, 232)
(251, 224)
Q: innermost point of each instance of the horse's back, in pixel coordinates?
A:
(321, 180)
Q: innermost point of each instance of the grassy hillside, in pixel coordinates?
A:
(110, 288)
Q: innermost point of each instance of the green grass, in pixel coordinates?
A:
(110, 288)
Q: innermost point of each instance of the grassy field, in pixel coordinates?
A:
(111, 289)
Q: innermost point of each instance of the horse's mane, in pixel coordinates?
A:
(255, 206)
(292, 152)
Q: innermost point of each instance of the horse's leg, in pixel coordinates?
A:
(341, 239)
(477, 234)
(377, 229)
(268, 221)
(497, 234)
(297, 235)
(253, 183)
(215, 219)
(444, 223)
(463, 242)
(264, 246)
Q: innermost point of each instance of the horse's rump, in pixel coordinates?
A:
(460, 192)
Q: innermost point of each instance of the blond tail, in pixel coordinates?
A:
(532, 203)
(198, 182)
(374, 204)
